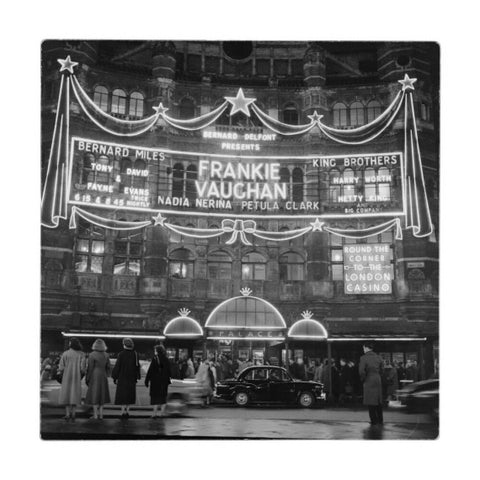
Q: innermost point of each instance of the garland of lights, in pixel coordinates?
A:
(56, 189)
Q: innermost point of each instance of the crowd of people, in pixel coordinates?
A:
(342, 380)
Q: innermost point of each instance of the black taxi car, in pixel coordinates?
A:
(268, 384)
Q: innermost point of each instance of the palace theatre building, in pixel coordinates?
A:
(268, 200)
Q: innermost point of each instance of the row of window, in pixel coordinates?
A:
(90, 248)
(118, 102)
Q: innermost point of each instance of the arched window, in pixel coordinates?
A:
(186, 108)
(136, 105)
(119, 102)
(89, 248)
(340, 115)
(253, 267)
(100, 97)
(334, 188)
(348, 187)
(138, 180)
(178, 180)
(291, 267)
(384, 189)
(374, 109)
(284, 174)
(297, 185)
(219, 266)
(357, 114)
(174, 237)
(370, 182)
(128, 253)
(290, 114)
(191, 189)
(181, 263)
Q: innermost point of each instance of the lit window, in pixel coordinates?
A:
(253, 267)
(89, 248)
(139, 181)
(128, 253)
(374, 109)
(100, 97)
(292, 267)
(219, 266)
(181, 264)
(357, 114)
(119, 102)
(136, 105)
(334, 188)
(425, 111)
(340, 115)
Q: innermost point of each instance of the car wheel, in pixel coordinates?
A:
(306, 399)
(242, 399)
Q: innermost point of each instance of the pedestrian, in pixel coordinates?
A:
(317, 374)
(190, 371)
(390, 378)
(125, 375)
(98, 370)
(345, 382)
(158, 377)
(204, 380)
(370, 370)
(72, 369)
(298, 369)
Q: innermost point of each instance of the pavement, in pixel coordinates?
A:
(226, 422)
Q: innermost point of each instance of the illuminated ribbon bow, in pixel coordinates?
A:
(238, 227)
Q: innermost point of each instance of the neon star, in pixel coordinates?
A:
(407, 83)
(240, 103)
(315, 117)
(160, 110)
(67, 64)
(317, 225)
(158, 220)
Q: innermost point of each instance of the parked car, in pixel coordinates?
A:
(267, 384)
(420, 396)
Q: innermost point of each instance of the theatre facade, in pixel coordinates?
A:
(267, 200)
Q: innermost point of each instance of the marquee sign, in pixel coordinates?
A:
(367, 269)
(234, 177)
(245, 334)
(127, 177)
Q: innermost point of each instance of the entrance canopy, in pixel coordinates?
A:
(307, 329)
(183, 327)
(245, 312)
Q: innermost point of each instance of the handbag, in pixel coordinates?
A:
(59, 376)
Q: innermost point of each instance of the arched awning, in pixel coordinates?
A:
(307, 329)
(183, 327)
(246, 317)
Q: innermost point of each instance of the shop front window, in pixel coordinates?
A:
(89, 248)
(128, 254)
(181, 264)
(219, 266)
(292, 267)
(253, 267)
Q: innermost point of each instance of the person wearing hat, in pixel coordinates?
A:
(370, 370)
(125, 375)
(97, 378)
(71, 368)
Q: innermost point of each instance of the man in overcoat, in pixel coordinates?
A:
(370, 370)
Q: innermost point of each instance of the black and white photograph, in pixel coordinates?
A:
(239, 239)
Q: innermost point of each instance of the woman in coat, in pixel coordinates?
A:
(390, 377)
(370, 370)
(125, 374)
(98, 370)
(203, 377)
(158, 377)
(72, 369)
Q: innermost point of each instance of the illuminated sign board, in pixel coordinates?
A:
(129, 177)
(248, 334)
(367, 269)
